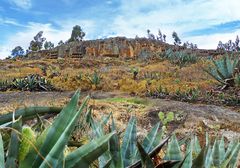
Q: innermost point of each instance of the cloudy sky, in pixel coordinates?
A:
(203, 22)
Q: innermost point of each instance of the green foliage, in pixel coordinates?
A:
(4, 85)
(48, 45)
(190, 95)
(37, 43)
(166, 118)
(180, 58)
(77, 34)
(177, 40)
(173, 150)
(17, 51)
(28, 135)
(49, 148)
(32, 82)
(95, 78)
(135, 72)
(223, 70)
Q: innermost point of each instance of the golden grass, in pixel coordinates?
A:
(116, 74)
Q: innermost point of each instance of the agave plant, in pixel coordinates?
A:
(48, 151)
(95, 78)
(128, 153)
(208, 156)
(224, 69)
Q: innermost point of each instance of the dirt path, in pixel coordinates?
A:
(188, 117)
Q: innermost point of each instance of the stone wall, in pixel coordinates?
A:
(113, 47)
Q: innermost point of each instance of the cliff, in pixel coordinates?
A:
(113, 47)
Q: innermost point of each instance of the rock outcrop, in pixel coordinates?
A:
(122, 47)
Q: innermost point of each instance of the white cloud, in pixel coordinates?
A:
(24, 4)
(52, 34)
(175, 15)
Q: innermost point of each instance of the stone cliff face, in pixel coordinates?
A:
(112, 47)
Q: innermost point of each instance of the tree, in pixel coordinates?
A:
(160, 36)
(48, 45)
(164, 37)
(17, 51)
(37, 43)
(177, 40)
(150, 35)
(77, 34)
(60, 43)
(237, 43)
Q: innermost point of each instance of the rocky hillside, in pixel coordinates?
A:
(114, 47)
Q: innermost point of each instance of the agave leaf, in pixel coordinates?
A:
(152, 139)
(206, 139)
(188, 159)
(27, 140)
(98, 131)
(128, 145)
(58, 127)
(229, 158)
(1, 152)
(33, 151)
(115, 148)
(173, 150)
(145, 159)
(105, 119)
(29, 113)
(86, 154)
(13, 150)
(231, 145)
(196, 145)
(199, 162)
(209, 157)
(108, 163)
(214, 74)
(216, 154)
(235, 157)
(52, 157)
(153, 153)
(221, 150)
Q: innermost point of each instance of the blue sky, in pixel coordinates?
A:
(204, 22)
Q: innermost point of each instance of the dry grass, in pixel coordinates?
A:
(116, 74)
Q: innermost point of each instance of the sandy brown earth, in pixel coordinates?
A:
(188, 117)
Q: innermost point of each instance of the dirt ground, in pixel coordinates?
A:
(188, 117)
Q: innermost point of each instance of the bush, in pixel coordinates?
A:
(180, 58)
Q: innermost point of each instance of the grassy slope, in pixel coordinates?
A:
(116, 74)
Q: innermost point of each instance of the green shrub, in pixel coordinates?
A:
(180, 58)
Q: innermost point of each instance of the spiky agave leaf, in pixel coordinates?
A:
(216, 154)
(235, 157)
(58, 127)
(115, 150)
(145, 159)
(128, 144)
(13, 150)
(98, 131)
(1, 152)
(152, 139)
(173, 150)
(199, 162)
(29, 113)
(188, 160)
(85, 155)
